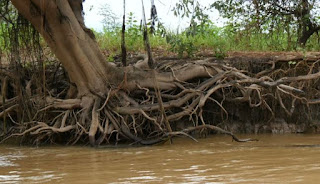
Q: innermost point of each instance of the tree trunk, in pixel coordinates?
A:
(307, 27)
(61, 25)
(307, 34)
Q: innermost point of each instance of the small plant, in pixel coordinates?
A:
(220, 54)
(110, 58)
(292, 63)
(181, 44)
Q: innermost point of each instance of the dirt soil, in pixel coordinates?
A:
(304, 118)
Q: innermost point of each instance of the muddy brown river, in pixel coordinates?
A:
(274, 159)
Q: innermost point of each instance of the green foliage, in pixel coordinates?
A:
(110, 58)
(3, 31)
(292, 63)
(271, 34)
(19, 41)
(110, 39)
(218, 40)
(181, 44)
(299, 19)
(220, 54)
(134, 31)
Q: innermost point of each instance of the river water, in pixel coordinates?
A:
(274, 159)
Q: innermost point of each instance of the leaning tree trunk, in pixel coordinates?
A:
(62, 26)
(307, 26)
(307, 33)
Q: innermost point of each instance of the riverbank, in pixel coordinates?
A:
(251, 92)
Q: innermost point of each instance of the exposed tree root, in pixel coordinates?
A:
(220, 130)
(145, 112)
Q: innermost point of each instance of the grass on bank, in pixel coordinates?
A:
(208, 37)
(218, 40)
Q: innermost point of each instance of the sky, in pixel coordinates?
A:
(94, 20)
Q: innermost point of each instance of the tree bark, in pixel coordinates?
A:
(307, 27)
(306, 34)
